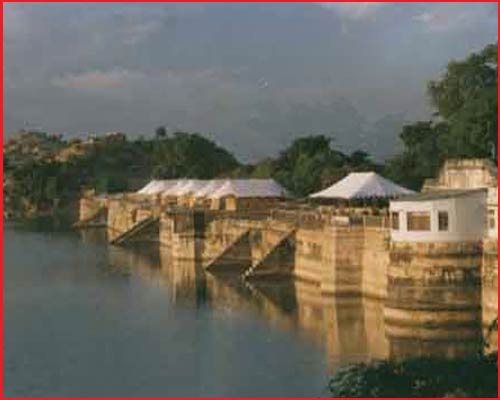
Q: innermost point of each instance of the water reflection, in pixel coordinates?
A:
(347, 329)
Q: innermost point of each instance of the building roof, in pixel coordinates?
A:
(249, 188)
(359, 185)
(440, 195)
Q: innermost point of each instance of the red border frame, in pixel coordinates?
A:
(139, 1)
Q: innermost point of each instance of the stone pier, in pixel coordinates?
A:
(434, 295)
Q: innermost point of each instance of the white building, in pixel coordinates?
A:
(440, 216)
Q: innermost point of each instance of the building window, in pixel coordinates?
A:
(395, 221)
(492, 222)
(418, 221)
(443, 223)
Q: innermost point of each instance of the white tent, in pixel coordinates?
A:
(191, 186)
(361, 185)
(157, 186)
(172, 191)
(148, 187)
(210, 187)
(249, 188)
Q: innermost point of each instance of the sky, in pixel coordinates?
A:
(252, 76)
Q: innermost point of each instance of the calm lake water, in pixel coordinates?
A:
(86, 319)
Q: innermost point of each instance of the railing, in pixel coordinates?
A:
(370, 221)
(299, 217)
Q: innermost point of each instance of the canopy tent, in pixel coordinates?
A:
(148, 187)
(157, 186)
(249, 188)
(362, 185)
(172, 191)
(210, 187)
(191, 186)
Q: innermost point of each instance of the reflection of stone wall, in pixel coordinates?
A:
(184, 279)
(349, 327)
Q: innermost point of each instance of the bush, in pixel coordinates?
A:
(475, 376)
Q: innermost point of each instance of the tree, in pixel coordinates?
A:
(161, 132)
(466, 99)
(422, 154)
(465, 123)
(307, 163)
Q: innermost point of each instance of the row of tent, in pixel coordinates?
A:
(215, 188)
(356, 185)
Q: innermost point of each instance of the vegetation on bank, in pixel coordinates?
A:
(475, 376)
(44, 174)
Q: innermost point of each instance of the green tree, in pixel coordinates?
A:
(300, 167)
(465, 124)
(422, 154)
(465, 97)
(161, 132)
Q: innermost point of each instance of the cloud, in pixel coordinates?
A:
(16, 22)
(454, 17)
(97, 79)
(354, 11)
(138, 32)
(204, 67)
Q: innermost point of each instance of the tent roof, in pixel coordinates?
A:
(172, 191)
(190, 186)
(210, 187)
(359, 185)
(149, 185)
(157, 186)
(249, 188)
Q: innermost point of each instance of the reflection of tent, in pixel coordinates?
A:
(362, 185)
(247, 188)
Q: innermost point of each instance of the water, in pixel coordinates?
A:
(86, 319)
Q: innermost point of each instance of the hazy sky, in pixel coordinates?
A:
(252, 75)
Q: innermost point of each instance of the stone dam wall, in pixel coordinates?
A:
(432, 292)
